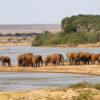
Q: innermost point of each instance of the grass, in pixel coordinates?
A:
(85, 85)
(85, 96)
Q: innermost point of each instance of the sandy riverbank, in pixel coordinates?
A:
(80, 69)
(82, 91)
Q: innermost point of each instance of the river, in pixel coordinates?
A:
(12, 81)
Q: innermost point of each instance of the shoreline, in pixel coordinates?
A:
(71, 69)
(60, 45)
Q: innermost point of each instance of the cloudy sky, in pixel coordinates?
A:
(44, 11)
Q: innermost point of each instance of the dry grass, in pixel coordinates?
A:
(15, 41)
(54, 94)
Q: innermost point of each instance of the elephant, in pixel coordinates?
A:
(5, 59)
(84, 58)
(47, 59)
(88, 58)
(70, 57)
(79, 57)
(94, 57)
(98, 60)
(37, 61)
(25, 59)
(28, 59)
(20, 60)
(75, 58)
(57, 59)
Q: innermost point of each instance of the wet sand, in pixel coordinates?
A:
(75, 69)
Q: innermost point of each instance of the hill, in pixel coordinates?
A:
(29, 28)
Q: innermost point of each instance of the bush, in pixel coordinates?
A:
(64, 38)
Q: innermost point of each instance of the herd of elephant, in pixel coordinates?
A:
(28, 59)
(83, 58)
(74, 58)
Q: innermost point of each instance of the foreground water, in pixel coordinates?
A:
(12, 81)
(14, 51)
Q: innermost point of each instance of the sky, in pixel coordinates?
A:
(44, 11)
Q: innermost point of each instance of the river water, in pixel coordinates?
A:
(11, 81)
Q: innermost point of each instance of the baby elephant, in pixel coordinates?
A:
(5, 60)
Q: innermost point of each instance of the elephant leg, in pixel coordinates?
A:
(41, 63)
(36, 64)
(9, 63)
(2, 63)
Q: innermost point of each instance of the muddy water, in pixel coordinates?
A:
(11, 81)
(14, 51)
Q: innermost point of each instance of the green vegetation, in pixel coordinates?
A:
(87, 91)
(70, 28)
(85, 85)
(63, 38)
(81, 29)
(89, 22)
(85, 96)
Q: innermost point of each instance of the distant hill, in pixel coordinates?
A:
(32, 28)
(82, 22)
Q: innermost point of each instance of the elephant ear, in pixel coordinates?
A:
(3, 58)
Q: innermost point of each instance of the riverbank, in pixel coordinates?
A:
(74, 45)
(60, 45)
(80, 91)
(79, 69)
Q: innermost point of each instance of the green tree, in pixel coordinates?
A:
(70, 29)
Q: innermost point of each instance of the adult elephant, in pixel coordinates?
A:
(70, 57)
(37, 61)
(5, 59)
(57, 59)
(20, 59)
(25, 59)
(47, 59)
(94, 57)
(84, 58)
